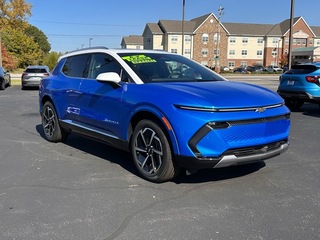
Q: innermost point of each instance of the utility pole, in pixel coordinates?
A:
(217, 51)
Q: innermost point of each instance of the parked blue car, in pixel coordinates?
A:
(169, 111)
(300, 84)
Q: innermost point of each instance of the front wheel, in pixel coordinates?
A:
(50, 124)
(151, 152)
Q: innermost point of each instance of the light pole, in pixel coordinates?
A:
(217, 51)
(183, 6)
(290, 33)
(90, 39)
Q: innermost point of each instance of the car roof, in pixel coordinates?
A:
(110, 50)
(38, 66)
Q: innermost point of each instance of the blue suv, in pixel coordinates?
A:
(169, 111)
(300, 84)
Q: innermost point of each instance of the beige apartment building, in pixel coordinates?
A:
(216, 44)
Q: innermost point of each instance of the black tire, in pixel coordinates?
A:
(50, 124)
(152, 153)
(3, 85)
(293, 104)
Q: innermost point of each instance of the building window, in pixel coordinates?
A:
(138, 47)
(232, 52)
(244, 52)
(187, 51)
(205, 38)
(244, 63)
(204, 52)
(275, 40)
(231, 64)
(174, 38)
(216, 38)
(259, 52)
(148, 40)
(174, 50)
(216, 52)
(260, 40)
(232, 40)
(286, 41)
(187, 38)
(244, 40)
(318, 41)
(310, 41)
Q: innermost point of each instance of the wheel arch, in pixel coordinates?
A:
(160, 120)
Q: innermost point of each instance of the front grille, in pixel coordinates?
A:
(259, 120)
(248, 151)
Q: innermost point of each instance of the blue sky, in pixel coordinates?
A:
(69, 24)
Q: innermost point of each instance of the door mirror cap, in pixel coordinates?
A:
(109, 77)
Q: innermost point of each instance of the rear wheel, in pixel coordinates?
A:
(293, 104)
(151, 152)
(50, 124)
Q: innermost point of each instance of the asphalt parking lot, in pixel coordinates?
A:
(82, 189)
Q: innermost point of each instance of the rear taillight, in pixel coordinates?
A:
(313, 79)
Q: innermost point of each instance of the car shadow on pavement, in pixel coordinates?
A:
(218, 174)
(124, 159)
(312, 110)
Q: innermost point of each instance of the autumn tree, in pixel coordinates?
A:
(22, 47)
(14, 13)
(23, 42)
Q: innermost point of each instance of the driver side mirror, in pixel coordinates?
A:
(109, 77)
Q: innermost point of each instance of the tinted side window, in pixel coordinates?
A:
(101, 63)
(76, 66)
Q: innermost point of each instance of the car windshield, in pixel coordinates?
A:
(159, 67)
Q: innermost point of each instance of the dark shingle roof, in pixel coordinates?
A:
(249, 29)
(133, 40)
(316, 30)
(175, 26)
(154, 28)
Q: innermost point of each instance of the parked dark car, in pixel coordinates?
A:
(255, 69)
(32, 76)
(240, 70)
(300, 84)
(5, 79)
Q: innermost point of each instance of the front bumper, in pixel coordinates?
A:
(235, 156)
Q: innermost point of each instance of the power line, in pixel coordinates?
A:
(90, 24)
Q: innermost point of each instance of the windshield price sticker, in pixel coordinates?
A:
(138, 59)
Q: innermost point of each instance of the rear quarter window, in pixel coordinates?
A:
(76, 66)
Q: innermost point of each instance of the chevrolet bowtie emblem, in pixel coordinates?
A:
(260, 109)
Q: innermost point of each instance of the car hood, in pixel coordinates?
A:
(219, 94)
